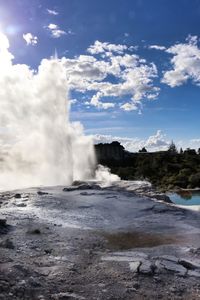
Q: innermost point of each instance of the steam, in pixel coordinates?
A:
(38, 144)
(104, 175)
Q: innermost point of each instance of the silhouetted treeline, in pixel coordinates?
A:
(165, 169)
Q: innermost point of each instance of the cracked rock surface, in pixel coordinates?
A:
(88, 242)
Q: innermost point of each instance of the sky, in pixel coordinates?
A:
(133, 66)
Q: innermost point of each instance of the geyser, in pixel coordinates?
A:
(38, 144)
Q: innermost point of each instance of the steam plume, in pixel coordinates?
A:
(38, 144)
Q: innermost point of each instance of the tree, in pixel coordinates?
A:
(143, 150)
(172, 148)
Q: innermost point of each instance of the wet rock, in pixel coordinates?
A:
(146, 268)
(134, 266)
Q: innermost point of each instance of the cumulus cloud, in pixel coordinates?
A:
(156, 142)
(55, 30)
(30, 39)
(132, 76)
(52, 12)
(106, 48)
(185, 63)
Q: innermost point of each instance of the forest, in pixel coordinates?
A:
(166, 170)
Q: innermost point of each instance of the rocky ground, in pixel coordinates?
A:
(87, 242)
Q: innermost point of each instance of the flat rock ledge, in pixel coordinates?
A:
(141, 264)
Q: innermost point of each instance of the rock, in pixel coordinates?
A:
(87, 194)
(170, 258)
(189, 264)
(21, 205)
(35, 231)
(34, 282)
(136, 285)
(135, 255)
(134, 266)
(40, 193)
(3, 222)
(146, 268)
(17, 196)
(162, 197)
(126, 256)
(66, 296)
(193, 274)
(7, 244)
(170, 266)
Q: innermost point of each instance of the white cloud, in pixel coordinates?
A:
(129, 106)
(56, 32)
(157, 142)
(132, 76)
(52, 12)
(157, 47)
(185, 63)
(30, 39)
(107, 48)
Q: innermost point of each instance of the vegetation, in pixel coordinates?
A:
(165, 169)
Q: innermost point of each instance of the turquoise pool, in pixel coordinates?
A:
(186, 197)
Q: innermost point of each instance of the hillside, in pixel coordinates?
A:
(165, 169)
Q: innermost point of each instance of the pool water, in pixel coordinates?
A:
(185, 197)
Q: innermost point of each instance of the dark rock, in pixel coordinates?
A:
(3, 222)
(189, 264)
(21, 205)
(40, 193)
(35, 231)
(163, 197)
(48, 251)
(17, 196)
(7, 244)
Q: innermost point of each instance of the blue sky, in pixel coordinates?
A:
(165, 103)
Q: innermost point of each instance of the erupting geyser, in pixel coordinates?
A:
(38, 144)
